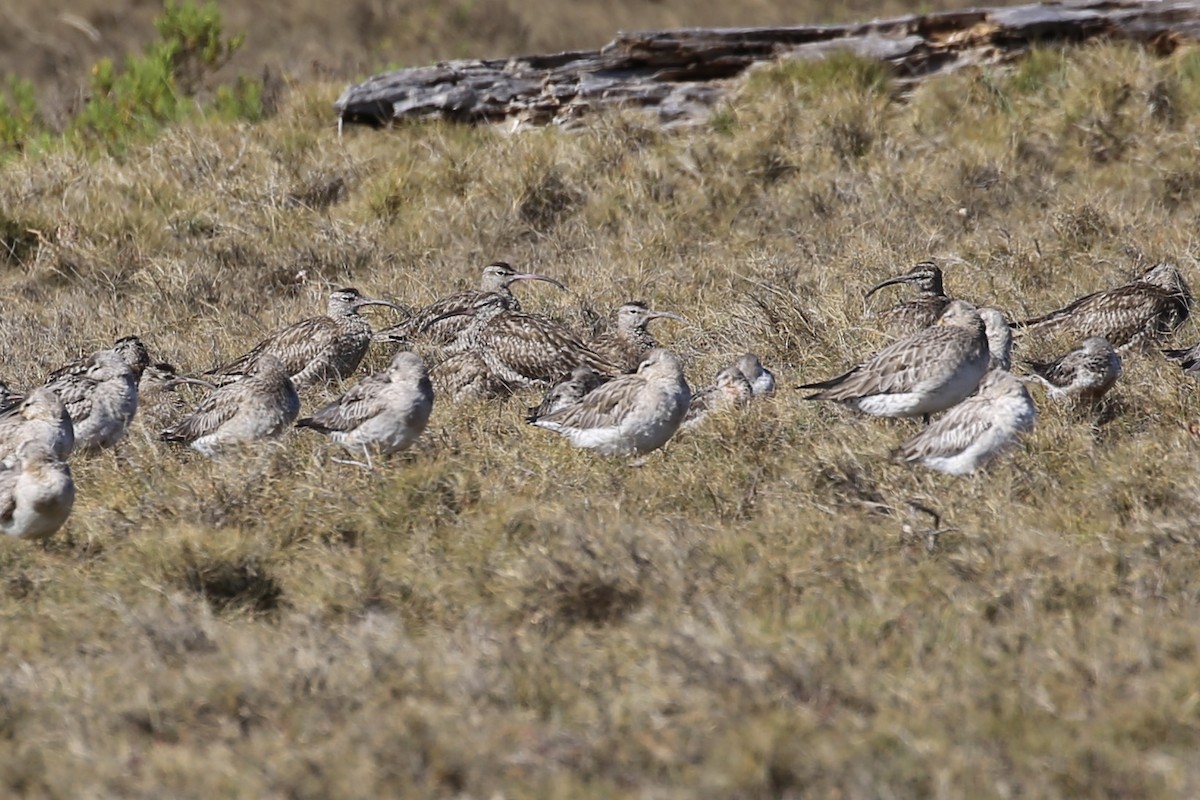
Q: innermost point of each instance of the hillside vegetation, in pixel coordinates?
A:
(758, 610)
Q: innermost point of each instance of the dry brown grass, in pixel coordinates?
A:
(754, 612)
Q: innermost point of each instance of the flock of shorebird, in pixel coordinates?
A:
(618, 393)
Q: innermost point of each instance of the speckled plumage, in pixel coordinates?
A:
(261, 405)
(910, 316)
(523, 350)
(630, 339)
(465, 376)
(100, 394)
(1085, 373)
(971, 433)
(381, 414)
(631, 414)
(41, 417)
(567, 392)
(730, 389)
(437, 328)
(1137, 313)
(37, 492)
(131, 349)
(928, 372)
(317, 350)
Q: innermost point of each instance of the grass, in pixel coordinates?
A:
(753, 612)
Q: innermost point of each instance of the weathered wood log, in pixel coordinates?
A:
(682, 74)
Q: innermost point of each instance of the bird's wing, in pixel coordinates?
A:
(360, 402)
(75, 391)
(951, 433)
(600, 408)
(534, 347)
(901, 366)
(214, 410)
(1119, 315)
(294, 345)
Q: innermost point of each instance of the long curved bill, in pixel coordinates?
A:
(665, 315)
(906, 278)
(371, 301)
(529, 276)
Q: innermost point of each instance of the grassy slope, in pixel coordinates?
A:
(501, 614)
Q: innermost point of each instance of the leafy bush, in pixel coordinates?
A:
(149, 91)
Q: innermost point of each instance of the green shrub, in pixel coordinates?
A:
(134, 101)
(20, 121)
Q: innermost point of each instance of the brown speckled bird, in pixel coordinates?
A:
(437, 328)
(523, 350)
(1137, 313)
(262, 404)
(465, 376)
(629, 341)
(315, 351)
(1086, 373)
(923, 310)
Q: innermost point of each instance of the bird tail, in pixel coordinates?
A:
(829, 384)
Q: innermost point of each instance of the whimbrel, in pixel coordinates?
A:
(431, 321)
(41, 417)
(923, 310)
(1140, 312)
(523, 350)
(762, 380)
(465, 376)
(36, 492)
(631, 414)
(381, 414)
(971, 433)
(627, 344)
(100, 394)
(928, 372)
(567, 392)
(729, 390)
(317, 350)
(1086, 373)
(261, 405)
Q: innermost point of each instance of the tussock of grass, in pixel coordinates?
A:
(761, 609)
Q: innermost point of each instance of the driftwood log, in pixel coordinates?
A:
(681, 74)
